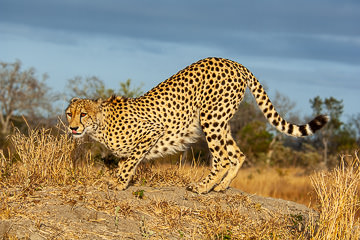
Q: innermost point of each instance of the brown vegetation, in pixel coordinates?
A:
(338, 201)
(57, 190)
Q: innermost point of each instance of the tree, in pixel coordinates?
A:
(247, 112)
(345, 139)
(285, 107)
(255, 140)
(127, 91)
(90, 87)
(93, 88)
(355, 123)
(334, 109)
(21, 93)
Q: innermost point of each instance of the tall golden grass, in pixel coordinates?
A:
(44, 157)
(286, 183)
(49, 157)
(338, 198)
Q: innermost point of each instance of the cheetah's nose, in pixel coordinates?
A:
(73, 129)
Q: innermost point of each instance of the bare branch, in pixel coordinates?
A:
(21, 93)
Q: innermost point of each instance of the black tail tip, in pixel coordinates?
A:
(318, 122)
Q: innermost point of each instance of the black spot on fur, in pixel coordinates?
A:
(230, 142)
(275, 123)
(291, 129)
(303, 130)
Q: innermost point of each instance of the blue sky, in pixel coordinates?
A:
(300, 48)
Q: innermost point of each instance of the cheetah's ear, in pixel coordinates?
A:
(74, 99)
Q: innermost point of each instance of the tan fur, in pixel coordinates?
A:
(202, 97)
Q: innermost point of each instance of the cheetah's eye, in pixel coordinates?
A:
(69, 114)
(83, 114)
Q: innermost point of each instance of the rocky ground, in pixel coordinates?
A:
(143, 212)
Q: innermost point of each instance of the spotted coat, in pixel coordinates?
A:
(203, 97)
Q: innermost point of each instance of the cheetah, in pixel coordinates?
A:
(202, 97)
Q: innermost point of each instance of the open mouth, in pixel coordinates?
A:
(76, 134)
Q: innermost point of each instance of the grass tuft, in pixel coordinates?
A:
(48, 157)
(337, 193)
(45, 157)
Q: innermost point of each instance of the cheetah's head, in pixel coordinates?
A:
(83, 116)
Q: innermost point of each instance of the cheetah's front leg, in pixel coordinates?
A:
(127, 167)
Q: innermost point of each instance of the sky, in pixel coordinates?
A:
(301, 49)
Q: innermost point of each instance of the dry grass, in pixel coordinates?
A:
(291, 184)
(337, 192)
(216, 221)
(152, 174)
(286, 183)
(47, 158)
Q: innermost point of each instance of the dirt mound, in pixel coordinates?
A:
(88, 212)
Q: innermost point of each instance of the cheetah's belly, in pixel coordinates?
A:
(175, 140)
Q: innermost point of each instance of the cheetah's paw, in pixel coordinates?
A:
(221, 187)
(198, 188)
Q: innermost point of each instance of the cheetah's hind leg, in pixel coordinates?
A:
(236, 157)
(221, 164)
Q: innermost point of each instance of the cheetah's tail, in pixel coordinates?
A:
(275, 119)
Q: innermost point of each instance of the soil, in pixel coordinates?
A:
(140, 212)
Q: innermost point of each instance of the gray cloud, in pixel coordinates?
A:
(288, 44)
(279, 28)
